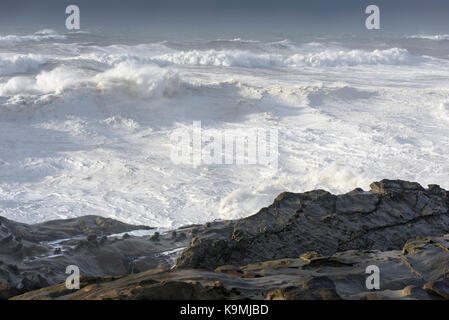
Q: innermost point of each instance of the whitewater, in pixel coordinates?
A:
(85, 122)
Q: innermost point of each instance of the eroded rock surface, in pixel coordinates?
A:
(384, 218)
(36, 256)
(415, 272)
(311, 245)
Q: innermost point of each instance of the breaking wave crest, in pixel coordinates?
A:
(146, 81)
(128, 77)
(46, 82)
(90, 118)
(46, 34)
(18, 63)
(436, 37)
(327, 58)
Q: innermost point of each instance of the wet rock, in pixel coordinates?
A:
(402, 277)
(13, 268)
(92, 238)
(168, 290)
(173, 234)
(7, 239)
(147, 263)
(384, 218)
(103, 240)
(311, 245)
(29, 253)
(32, 282)
(438, 288)
(67, 228)
(155, 237)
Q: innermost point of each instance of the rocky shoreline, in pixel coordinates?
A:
(311, 245)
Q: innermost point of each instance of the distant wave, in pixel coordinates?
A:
(237, 40)
(46, 34)
(326, 58)
(437, 37)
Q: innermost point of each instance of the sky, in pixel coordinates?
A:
(318, 16)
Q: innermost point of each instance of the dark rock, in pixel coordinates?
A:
(402, 277)
(393, 212)
(13, 268)
(61, 229)
(6, 239)
(173, 234)
(92, 238)
(325, 262)
(147, 263)
(168, 290)
(180, 236)
(30, 251)
(438, 288)
(33, 282)
(311, 245)
(155, 237)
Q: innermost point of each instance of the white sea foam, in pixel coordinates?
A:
(39, 36)
(11, 63)
(86, 128)
(149, 81)
(441, 111)
(53, 81)
(46, 32)
(436, 37)
(326, 58)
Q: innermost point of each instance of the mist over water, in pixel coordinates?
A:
(86, 117)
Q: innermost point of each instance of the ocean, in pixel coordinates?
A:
(86, 120)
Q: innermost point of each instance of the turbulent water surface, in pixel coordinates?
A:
(85, 121)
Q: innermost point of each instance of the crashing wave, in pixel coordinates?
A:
(19, 63)
(129, 77)
(326, 58)
(46, 82)
(137, 80)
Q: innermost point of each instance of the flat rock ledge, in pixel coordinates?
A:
(312, 245)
